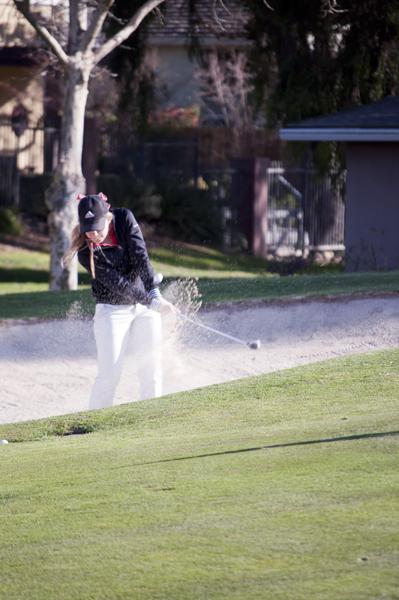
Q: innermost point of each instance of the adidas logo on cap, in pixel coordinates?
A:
(89, 215)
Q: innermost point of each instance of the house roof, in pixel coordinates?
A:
(378, 122)
(174, 23)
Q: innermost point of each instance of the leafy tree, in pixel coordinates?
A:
(134, 76)
(318, 57)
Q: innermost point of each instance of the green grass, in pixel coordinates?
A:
(283, 486)
(45, 304)
(24, 281)
(30, 268)
(274, 287)
(24, 277)
(188, 260)
(23, 270)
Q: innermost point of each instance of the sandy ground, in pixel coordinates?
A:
(47, 368)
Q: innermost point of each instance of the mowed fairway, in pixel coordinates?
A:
(284, 486)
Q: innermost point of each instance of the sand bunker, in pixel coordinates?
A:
(47, 368)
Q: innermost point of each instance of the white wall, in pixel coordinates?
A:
(175, 81)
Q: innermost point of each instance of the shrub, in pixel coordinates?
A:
(10, 222)
(32, 195)
(191, 214)
(181, 210)
(141, 197)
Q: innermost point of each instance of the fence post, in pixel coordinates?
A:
(249, 195)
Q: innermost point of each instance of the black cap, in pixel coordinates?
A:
(92, 211)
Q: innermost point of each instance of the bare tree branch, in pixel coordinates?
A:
(96, 23)
(219, 20)
(73, 24)
(331, 7)
(267, 5)
(23, 6)
(159, 14)
(124, 33)
(226, 86)
(112, 17)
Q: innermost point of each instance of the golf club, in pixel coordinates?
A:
(254, 344)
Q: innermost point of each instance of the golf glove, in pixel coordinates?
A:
(160, 304)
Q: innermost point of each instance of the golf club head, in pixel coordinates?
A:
(254, 345)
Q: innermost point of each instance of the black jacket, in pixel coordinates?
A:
(123, 273)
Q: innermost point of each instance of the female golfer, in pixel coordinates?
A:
(110, 245)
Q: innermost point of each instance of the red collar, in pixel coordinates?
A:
(112, 234)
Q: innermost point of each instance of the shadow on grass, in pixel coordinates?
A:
(206, 259)
(275, 286)
(45, 305)
(346, 438)
(23, 275)
(26, 275)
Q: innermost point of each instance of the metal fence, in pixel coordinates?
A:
(28, 148)
(9, 181)
(306, 211)
(33, 152)
(156, 161)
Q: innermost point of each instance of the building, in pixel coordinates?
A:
(177, 37)
(371, 137)
(23, 86)
(28, 135)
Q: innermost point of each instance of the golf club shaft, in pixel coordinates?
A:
(208, 328)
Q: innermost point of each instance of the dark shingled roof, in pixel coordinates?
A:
(211, 19)
(383, 114)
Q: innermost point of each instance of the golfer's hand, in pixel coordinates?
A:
(163, 306)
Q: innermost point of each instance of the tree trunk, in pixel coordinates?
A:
(68, 179)
(90, 154)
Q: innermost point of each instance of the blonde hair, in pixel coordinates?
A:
(78, 242)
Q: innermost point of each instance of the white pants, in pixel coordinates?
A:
(113, 326)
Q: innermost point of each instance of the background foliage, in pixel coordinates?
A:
(312, 61)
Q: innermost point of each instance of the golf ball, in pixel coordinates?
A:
(255, 345)
(3, 442)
